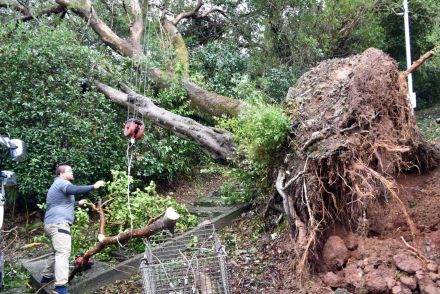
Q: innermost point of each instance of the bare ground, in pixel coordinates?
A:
(379, 262)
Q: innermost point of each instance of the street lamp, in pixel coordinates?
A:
(411, 94)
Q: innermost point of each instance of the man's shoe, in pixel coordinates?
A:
(46, 280)
(60, 290)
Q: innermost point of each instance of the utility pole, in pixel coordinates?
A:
(411, 94)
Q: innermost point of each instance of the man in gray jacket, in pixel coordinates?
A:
(59, 217)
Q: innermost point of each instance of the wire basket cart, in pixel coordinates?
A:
(192, 263)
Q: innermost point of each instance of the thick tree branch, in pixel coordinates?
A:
(194, 13)
(214, 142)
(45, 12)
(136, 26)
(27, 13)
(215, 104)
(415, 66)
(207, 103)
(86, 11)
(182, 54)
(170, 27)
(209, 12)
(166, 221)
(188, 14)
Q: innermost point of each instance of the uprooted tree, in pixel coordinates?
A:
(355, 132)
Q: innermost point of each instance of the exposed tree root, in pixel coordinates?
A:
(356, 132)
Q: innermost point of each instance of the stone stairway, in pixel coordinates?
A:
(209, 208)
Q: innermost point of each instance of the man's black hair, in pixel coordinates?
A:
(60, 168)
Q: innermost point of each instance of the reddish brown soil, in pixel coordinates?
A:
(377, 263)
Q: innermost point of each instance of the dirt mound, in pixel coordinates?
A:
(354, 133)
(379, 262)
(391, 260)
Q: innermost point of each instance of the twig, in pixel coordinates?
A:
(12, 242)
(316, 136)
(417, 252)
(297, 176)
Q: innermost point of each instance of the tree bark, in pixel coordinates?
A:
(215, 142)
(207, 103)
(85, 10)
(182, 55)
(166, 221)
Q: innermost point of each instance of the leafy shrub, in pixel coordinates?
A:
(14, 276)
(144, 205)
(44, 102)
(260, 133)
(164, 156)
(218, 66)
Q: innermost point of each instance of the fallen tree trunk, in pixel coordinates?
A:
(355, 132)
(215, 142)
(166, 221)
(206, 103)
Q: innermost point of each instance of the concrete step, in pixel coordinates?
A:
(207, 211)
(209, 201)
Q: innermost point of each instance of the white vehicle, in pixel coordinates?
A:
(16, 150)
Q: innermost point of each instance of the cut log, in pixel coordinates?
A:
(166, 221)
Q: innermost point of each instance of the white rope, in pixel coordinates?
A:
(136, 79)
(129, 161)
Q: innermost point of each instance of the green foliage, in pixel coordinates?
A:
(275, 81)
(218, 65)
(224, 69)
(14, 276)
(42, 75)
(260, 133)
(84, 232)
(426, 123)
(165, 156)
(123, 214)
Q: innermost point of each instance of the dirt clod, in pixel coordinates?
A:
(375, 283)
(335, 253)
(409, 281)
(332, 280)
(432, 267)
(407, 263)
